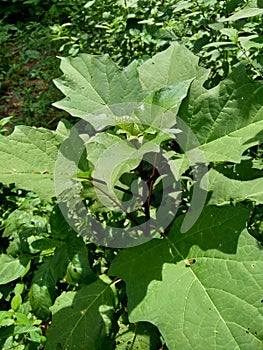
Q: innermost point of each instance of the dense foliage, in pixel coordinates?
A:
(139, 227)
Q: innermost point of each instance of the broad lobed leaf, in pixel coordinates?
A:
(92, 83)
(224, 189)
(227, 119)
(202, 289)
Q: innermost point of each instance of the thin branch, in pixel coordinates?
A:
(152, 179)
(112, 199)
(92, 179)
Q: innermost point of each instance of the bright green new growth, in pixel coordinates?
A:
(203, 288)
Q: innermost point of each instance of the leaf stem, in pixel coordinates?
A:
(112, 199)
(92, 179)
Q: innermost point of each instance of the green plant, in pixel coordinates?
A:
(129, 30)
(151, 139)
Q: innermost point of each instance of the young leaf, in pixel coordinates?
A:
(82, 319)
(202, 288)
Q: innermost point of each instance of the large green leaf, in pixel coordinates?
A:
(96, 85)
(11, 269)
(91, 83)
(174, 65)
(28, 158)
(202, 289)
(82, 319)
(227, 119)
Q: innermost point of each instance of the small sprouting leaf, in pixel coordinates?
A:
(16, 301)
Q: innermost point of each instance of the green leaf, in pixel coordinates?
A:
(40, 300)
(253, 8)
(182, 5)
(82, 319)
(42, 290)
(227, 119)
(11, 269)
(58, 224)
(225, 190)
(203, 288)
(78, 269)
(11, 330)
(251, 41)
(28, 157)
(115, 157)
(91, 83)
(16, 302)
(70, 260)
(169, 97)
(137, 336)
(174, 65)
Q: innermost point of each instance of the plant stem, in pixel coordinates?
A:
(112, 199)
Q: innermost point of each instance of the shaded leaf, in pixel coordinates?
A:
(253, 8)
(202, 289)
(82, 319)
(226, 119)
(70, 260)
(140, 336)
(225, 190)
